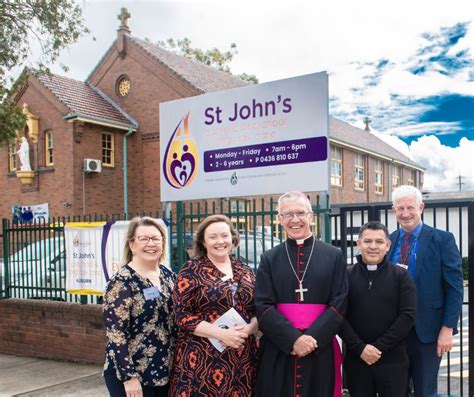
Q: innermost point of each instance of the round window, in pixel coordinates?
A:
(123, 86)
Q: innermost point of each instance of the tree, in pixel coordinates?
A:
(52, 25)
(213, 57)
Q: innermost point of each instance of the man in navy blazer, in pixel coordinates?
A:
(434, 262)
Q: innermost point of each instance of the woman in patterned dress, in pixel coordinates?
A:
(207, 287)
(138, 315)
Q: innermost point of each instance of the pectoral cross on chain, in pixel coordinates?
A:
(300, 291)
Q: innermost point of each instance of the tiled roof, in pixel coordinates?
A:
(365, 141)
(202, 77)
(84, 100)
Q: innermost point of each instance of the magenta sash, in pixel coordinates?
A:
(301, 316)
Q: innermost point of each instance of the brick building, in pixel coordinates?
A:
(114, 113)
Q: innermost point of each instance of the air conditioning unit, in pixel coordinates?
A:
(91, 165)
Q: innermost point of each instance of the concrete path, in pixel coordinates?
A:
(26, 376)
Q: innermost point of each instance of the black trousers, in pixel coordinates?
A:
(388, 378)
(116, 388)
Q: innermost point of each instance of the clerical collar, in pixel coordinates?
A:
(371, 268)
(304, 241)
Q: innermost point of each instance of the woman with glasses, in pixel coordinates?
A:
(138, 315)
(216, 351)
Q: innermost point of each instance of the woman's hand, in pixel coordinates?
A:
(232, 337)
(133, 388)
(250, 328)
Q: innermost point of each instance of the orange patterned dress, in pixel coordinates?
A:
(201, 295)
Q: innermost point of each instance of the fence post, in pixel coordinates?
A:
(470, 254)
(6, 256)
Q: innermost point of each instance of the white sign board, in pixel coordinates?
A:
(260, 139)
(94, 252)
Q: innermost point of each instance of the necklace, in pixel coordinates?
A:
(300, 290)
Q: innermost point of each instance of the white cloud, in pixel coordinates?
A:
(443, 163)
(441, 128)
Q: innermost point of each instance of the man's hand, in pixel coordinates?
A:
(304, 345)
(370, 354)
(445, 340)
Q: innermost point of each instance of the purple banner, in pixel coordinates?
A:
(267, 154)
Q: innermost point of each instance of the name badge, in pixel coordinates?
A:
(225, 278)
(151, 293)
(402, 266)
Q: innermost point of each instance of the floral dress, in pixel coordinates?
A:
(201, 294)
(139, 327)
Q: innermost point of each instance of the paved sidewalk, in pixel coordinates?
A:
(27, 376)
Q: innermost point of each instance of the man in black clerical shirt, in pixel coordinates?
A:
(380, 313)
(300, 298)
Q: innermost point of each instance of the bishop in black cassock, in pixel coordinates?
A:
(300, 272)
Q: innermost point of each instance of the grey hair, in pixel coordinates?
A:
(294, 195)
(405, 191)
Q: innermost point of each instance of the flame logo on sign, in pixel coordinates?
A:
(180, 162)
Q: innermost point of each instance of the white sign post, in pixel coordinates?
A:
(261, 139)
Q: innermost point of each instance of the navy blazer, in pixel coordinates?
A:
(438, 280)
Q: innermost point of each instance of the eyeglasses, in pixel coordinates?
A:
(146, 240)
(298, 214)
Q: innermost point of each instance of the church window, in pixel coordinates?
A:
(395, 177)
(108, 149)
(49, 148)
(411, 178)
(123, 86)
(379, 176)
(359, 172)
(336, 166)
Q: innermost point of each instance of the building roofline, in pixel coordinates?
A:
(99, 121)
(375, 154)
(112, 103)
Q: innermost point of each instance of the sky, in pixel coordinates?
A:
(407, 65)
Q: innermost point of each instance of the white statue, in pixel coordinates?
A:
(24, 155)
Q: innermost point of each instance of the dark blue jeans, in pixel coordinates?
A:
(116, 388)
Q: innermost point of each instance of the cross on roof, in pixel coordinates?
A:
(123, 16)
(367, 121)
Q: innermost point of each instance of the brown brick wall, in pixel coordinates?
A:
(151, 84)
(347, 194)
(55, 330)
(104, 190)
(63, 182)
(45, 186)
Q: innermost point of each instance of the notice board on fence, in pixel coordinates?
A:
(94, 252)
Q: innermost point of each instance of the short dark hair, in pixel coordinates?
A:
(199, 250)
(374, 225)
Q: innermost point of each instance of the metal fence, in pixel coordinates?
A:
(35, 260)
(255, 220)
